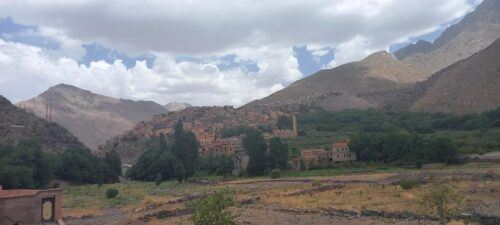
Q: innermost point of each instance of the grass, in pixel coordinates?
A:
(341, 171)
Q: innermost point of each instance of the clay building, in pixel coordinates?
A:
(338, 152)
(26, 206)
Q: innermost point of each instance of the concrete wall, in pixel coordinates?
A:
(27, 209)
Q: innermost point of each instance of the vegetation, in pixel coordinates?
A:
(178, 160)
(407, 184)
(278, 153)
(402, 148)
(284, 122)
(476, 133)
(216, 165)
(212, 210)
(111, 193)
(256, 147)
(442, 200)
(27, 166)
(275, 174)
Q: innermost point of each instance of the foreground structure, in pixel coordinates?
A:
(24, 206)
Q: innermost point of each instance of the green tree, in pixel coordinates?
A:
(441, 149)
(113, 166)
(278, 153)
(256, 147)
(186, 149)
(158, 179)
(284, 122)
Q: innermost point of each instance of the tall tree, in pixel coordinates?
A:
(186, 149)
(113, 166)
(256, 148)
(278, 153)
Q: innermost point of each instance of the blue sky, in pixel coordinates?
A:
(156, 51)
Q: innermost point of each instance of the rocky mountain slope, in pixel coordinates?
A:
(91, 117)
(377, 72)
(468, 86)
(16, 125)
(474, 32)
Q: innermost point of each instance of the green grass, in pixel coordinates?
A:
(341, 171)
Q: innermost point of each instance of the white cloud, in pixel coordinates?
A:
(207, 27)
(258, 30)
(27, 71)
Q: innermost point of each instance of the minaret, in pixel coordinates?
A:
(294, 124)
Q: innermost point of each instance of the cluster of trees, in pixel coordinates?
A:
(372, 120)
(403, 148)
(177, 159)
(219, 165)
(27, 166)
(263, 159)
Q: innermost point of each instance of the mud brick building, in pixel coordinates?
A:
(26, 206)
(338, 152)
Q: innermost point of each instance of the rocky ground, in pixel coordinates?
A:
(349, 199)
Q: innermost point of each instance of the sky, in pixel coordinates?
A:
(204, 52)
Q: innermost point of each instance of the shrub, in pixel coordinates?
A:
(276, 173)
(111, 193)
(158, 179)
(409, 184)
(211, 210)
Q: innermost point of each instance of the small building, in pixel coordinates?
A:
(338, 152)
(26, 206)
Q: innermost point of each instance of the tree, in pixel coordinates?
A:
(212, 210)
(441, 200)
(256, 147)
(186, 149)
(441, 149)
(113, 166)
(284, 122)
(158, 179)
(278, 153)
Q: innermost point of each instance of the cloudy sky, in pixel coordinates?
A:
(205, 52)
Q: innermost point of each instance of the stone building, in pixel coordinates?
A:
(26, 206)
(338, 152)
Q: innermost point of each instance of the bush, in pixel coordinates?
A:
(111, 193)
(409, 184)
(212, 210)
(276, 173)
(158, 179)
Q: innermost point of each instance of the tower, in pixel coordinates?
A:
(294, 124)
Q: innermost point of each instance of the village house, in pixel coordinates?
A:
(337, 153)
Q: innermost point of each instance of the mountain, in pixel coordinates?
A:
(16, 124)
(176, 106)
(338, 88)
(91, 117)
(419, 47)
(468, 86)
(476, 31)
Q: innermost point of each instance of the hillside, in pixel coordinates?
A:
(377, 72)
(91, 117)
(474, 32)
(17, 125)
(468, 86)
(471, 85)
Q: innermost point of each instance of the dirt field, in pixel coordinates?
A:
(371, 198)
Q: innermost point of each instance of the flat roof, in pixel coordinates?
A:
(17, 193)
(22, 192)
